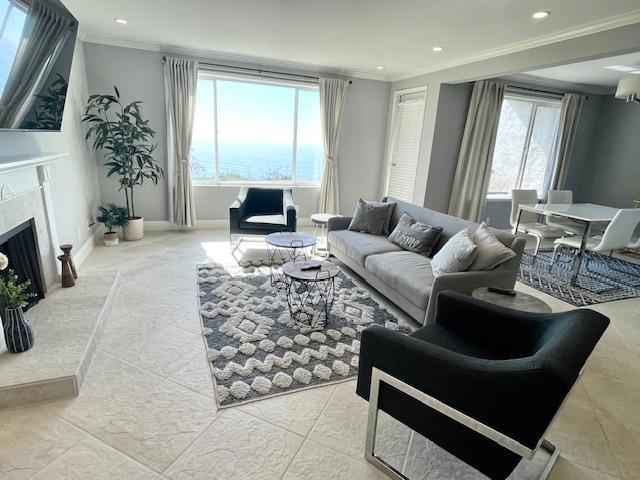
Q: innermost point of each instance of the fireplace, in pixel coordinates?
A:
(20, 245)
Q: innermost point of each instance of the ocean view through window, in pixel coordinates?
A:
(250, 131)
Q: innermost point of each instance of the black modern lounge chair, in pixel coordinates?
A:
(483, 382)
(261, 211)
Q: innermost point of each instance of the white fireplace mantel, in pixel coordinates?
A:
(10, 163)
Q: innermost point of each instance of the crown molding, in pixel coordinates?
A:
(581, 31)
(560, 85)
(233, 58)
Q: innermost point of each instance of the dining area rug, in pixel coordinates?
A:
(601, 278)
(254, 349)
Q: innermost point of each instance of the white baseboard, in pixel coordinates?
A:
(164, 225)
(83, 252)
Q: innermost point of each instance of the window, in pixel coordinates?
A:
(406, 135)
(251, 131)
(12, 18)
(525, 144)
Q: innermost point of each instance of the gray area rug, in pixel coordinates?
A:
(256, 352)
(601, 278)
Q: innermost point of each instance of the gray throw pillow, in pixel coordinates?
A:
(456, 255)
(414, 236)
(372, 217)
(491, 251)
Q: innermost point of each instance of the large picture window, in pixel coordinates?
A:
(525, 144)
(247, 131)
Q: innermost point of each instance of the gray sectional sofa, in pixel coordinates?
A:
(406, 278)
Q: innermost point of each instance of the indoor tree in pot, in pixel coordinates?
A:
(14, 295)
(113, 218)
(125, 136)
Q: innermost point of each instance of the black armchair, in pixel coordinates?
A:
(483, 382)
(261, 211)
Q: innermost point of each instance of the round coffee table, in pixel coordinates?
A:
(321, 220)
(310, 293)
(283, 247)
(520, 301)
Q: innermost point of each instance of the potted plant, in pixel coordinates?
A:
(127, 139)
(14, 295)
(113, 218)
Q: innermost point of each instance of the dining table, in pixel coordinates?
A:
(583, 213)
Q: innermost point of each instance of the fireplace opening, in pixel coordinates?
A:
(20, 246)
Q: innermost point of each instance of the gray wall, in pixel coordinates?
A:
(74, 183)
(612, 172)
(138, 75)
(453, 104)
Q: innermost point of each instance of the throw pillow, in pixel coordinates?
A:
(414, 236)
(491, 251)
(456, 255)
(372, 217)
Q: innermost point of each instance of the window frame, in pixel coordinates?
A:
(297, 86)
(537, 101)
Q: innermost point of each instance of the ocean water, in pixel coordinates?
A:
(256, 161)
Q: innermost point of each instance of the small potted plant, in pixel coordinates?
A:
(113, 218)
(127, 141)
(14, 296)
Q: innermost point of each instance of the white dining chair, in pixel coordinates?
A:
(563, 197)
(529, 223)
(617, 235)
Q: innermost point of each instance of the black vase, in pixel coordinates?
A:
(17, 332)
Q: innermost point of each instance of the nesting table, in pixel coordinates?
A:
(283, 247)
(310, 292)
(520, 301)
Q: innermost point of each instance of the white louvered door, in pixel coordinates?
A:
(406, 134)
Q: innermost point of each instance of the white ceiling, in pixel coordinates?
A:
(592, 72)
(349, 36)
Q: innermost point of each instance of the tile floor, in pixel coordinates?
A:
(146, 410)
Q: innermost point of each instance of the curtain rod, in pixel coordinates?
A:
(534, 90)
(255, 71)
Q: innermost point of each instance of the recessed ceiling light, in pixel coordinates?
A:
(380, 67)
(121, 21)
(541, 15)
(621, 68)
(437, 49)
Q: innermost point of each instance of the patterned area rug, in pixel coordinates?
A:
(601, 278)
(254, 349)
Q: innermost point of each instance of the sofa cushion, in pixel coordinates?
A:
(456, 255)
(408, 273)
(413, 236)
(265, 222)
(372, 217)
(358, 246)
(491, 251)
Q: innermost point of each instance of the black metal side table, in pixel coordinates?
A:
(283, 247)
(310, 292)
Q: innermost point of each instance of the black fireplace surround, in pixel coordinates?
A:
(21, 247)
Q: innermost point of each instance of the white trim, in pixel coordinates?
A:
(19, 162)
(222, 224)
(87, 247)
(234, 58)
(610, 23)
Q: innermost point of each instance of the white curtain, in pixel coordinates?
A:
(473, 172)
(333, 93)
(45, 32)
(567, 127)
(180, 85)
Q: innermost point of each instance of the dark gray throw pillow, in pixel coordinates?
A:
(415, 236)
(372, 217)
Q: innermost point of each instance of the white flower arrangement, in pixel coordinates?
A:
(4, 261)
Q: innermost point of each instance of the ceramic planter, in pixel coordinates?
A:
(111, 239)
(134, 229)
(17, 332)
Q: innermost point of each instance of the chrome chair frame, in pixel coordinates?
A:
(378, 376)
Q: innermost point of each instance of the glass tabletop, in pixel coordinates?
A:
(588, 212)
